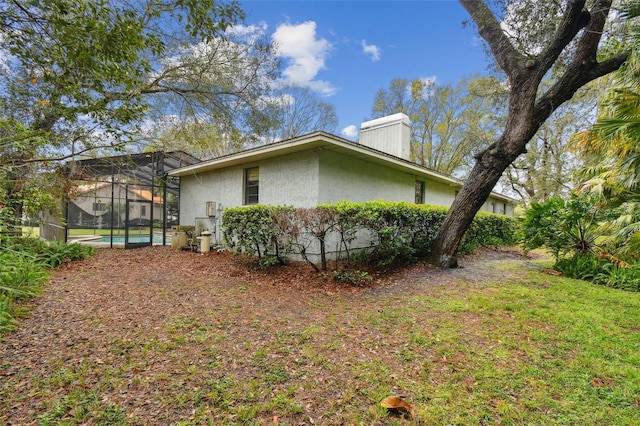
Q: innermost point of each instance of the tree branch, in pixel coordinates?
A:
(74, 154)
(572, 22)
(590, 40)
(507, 57)
(571, 81)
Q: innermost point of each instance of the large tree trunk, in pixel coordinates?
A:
(468, 202)
(528, 109)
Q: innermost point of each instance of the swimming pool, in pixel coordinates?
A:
(119, 239)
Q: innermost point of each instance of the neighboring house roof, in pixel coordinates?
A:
(326, 141)
(142, 193)
(90, 187)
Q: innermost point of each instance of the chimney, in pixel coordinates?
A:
(390, 134)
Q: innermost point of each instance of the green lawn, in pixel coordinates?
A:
(30, 231)
(88, 231)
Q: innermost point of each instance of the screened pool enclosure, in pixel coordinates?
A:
(127, 199)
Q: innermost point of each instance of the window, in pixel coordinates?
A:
(251, 180)
(143, 211)
(419, 192)
(98, 207)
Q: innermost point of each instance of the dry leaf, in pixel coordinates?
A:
(394, 403)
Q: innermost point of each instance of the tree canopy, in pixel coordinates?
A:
(448, 122)
(81, 75)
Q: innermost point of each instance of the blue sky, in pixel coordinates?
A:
(348, 50)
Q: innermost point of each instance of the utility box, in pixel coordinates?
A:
(178, 240)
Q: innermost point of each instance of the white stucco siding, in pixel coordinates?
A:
(308, 178)
(222, 186)
(498, 206)
(287, 180)
(438, 193)
(290, 180)
(347, 178)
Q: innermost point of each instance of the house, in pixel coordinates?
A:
(319, 168)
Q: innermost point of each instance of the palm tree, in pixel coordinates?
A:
(612, 146)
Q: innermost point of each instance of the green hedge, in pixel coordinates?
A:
(397, 231)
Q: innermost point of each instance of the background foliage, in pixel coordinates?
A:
(586, 240)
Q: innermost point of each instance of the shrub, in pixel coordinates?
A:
(583, 266)
(398, 232)
(624, 278)
(488, 229)
(7, 323)
(392, 229)
(565, 227)
(299, 229)
(590, 267)
(354, 277)
(251, 230)
(580, 235)
(540, 226)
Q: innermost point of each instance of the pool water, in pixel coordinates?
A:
(119, 239)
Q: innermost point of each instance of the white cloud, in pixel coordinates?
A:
(325, 88)
(350, 131)
(371, 49)
(429, 81)
(305, 55)
(248, 30)
(427, 89)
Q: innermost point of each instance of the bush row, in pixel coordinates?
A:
(380, 231)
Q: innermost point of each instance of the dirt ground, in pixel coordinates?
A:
(91, 306)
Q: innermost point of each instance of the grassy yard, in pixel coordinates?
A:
(500, 343)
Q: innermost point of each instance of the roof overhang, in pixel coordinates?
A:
(321, 141)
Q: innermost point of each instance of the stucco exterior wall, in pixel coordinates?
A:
(495, 205)
(438, 193)
(287, 180)
(306, 179)
(348, 178)
(309, 178)
(290, 180)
